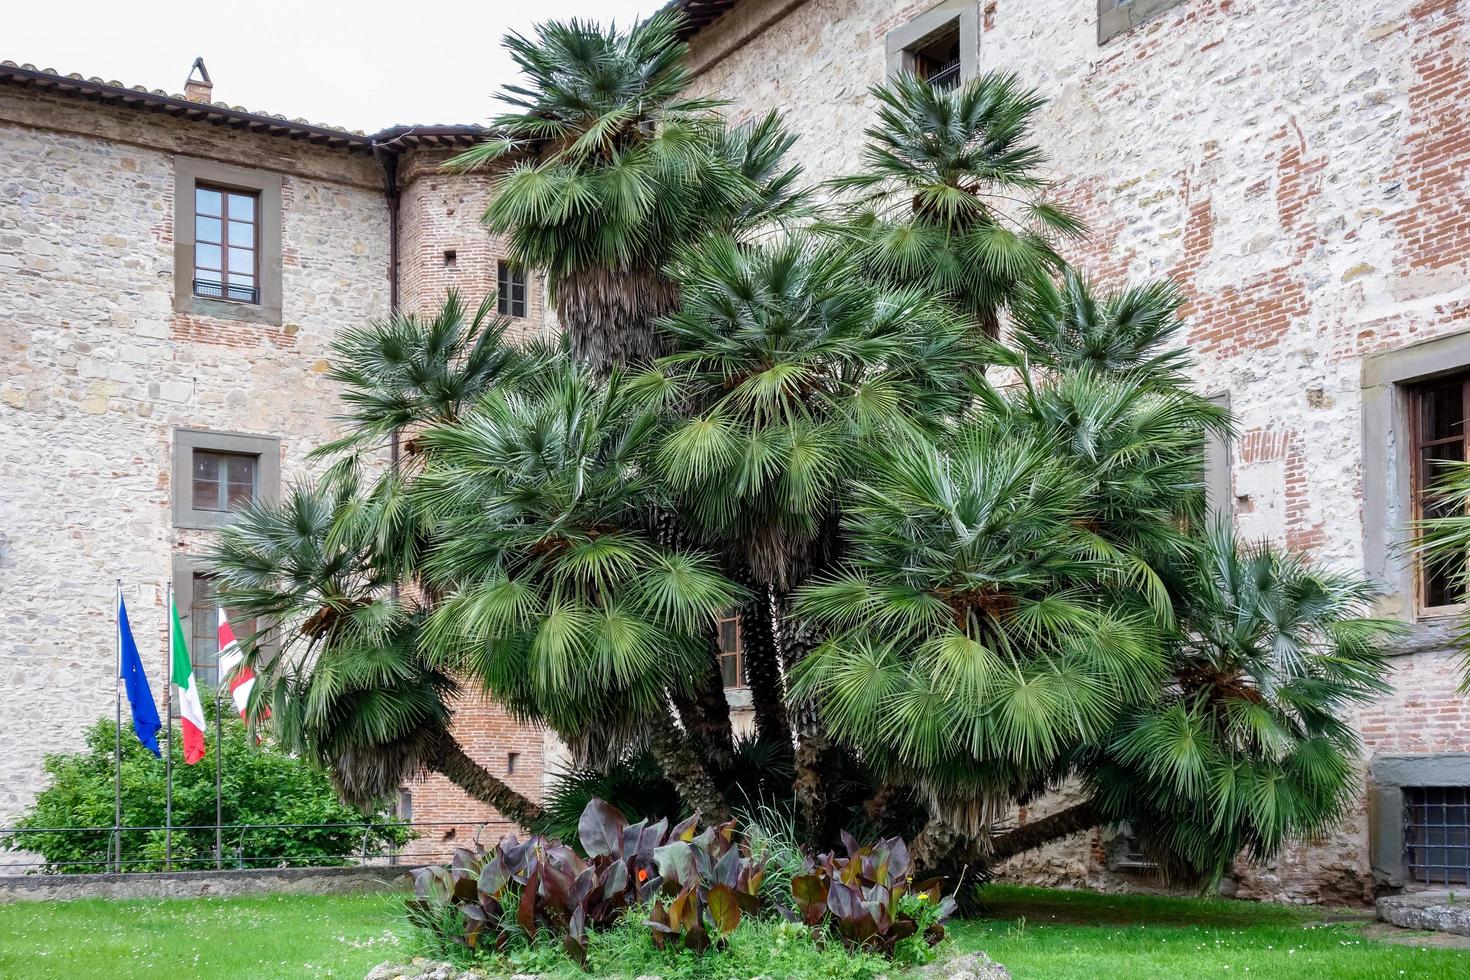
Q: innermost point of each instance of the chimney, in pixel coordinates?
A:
(199, 89)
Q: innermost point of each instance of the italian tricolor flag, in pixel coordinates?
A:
(191, 714)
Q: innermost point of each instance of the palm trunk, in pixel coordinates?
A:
(608, 314)
(816, 754)
(763, 673)
(681, 764)
(942, 849)
(1063, 823)
(706, 715)
(447, 757)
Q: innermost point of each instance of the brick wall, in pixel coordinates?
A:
(1299, 168)
(440, 212)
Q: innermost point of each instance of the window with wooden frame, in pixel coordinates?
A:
(204, 629)
(223, 482)
(226, 244)
(732, 656)
(512, 290)
(1438, 411)
(215, 475)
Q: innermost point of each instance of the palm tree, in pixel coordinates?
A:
(554, 595)
(784, 363)
(1249, 745)
(339, 664)
(971, 650)
(950, 197)
(613, 170)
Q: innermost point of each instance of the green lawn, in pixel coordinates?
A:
(286, 936)
(1035, 932)
(1062, 935)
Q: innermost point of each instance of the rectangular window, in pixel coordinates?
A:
(1438, 410)
(215, 475)
(226, 244)
(204, 630)
(937, 58)
(223, 482)
(732, 656)
(1437, 834)
(512, 290)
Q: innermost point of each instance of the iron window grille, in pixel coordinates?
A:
(1437, 834)
(945, 77)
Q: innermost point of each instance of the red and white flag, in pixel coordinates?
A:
(233, 668)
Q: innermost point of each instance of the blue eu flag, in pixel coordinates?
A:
(140, 697)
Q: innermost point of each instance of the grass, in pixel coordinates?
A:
(279, 936)
(1035, 932)
(1061, 935)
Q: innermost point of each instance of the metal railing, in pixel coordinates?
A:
(419, 846)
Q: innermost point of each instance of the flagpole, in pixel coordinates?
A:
(219, 754)
(117, 744)
(168, 738)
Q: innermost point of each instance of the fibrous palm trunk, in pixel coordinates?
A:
(444, 755)
(816, 753)
(609, 314)
(706, 714)
(763, 672)
(679, 761)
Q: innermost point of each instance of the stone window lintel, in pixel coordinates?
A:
(1116, 17)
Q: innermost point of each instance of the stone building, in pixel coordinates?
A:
(172, 271)
(1299, 167)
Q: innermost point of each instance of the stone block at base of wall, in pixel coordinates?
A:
(1435, 911)
(200, 884)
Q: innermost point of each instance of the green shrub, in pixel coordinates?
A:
(680, 893)
(260, 785)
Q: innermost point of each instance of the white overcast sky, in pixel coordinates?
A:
(361, 65)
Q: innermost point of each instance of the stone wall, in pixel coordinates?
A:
(206, 884)
(1297, 166)
(100, 370)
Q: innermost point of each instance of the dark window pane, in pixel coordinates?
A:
(1442, 415)
(204, 632)
(241, 488)
(730, 671)
(206, 481)
(206, 201)
(1442, 585)
(206, 230)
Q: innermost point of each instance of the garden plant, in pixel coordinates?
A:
(954, 489)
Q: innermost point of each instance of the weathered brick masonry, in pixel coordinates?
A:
(1299, 167)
